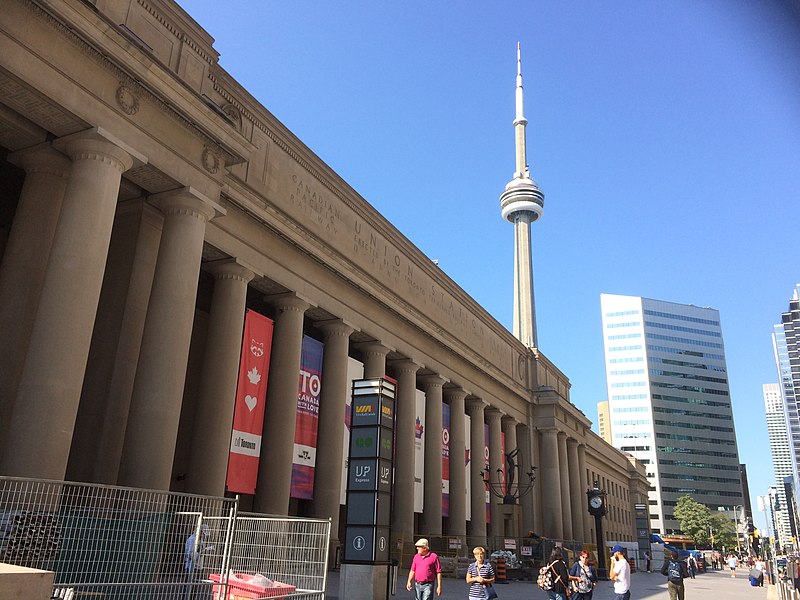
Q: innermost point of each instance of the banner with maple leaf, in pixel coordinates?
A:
(251, 396)
(445, 460)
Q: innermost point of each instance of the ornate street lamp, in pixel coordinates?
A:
(505, 484)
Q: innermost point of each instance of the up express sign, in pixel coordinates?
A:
(369, 475)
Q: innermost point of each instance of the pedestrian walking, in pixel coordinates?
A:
(691, 565)
(732, 562)
(583, 578)
(647, 559)
(480, 576)
(620, 574)
(559, 575)
(425, 572)
(675, 571)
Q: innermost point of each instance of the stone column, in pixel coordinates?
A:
(457, 519)
(493, 416)
(141, 234)
(431, 523)
(49, 389)
(24, 262)
(509, 425)
(538, 490)
(275, 465)
(374, 359)
(552, 511)
(584, 483)
(404, 454)
(563, 469)
(575, 490)
(526, 464)
(211, 434)
(332, 404)
(155, 410)
(477, 524)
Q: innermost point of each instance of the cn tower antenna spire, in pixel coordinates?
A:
(521, 204)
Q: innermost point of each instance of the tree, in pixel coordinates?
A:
(724, 530)
(695, 520)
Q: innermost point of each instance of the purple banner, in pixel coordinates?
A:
(307, 419)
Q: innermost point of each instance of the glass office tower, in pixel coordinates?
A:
(669, 402)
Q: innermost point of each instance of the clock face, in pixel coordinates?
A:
(596, 502)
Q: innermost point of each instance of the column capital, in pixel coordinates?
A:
(474, 404)
(374, 347)
(405, 365)
(572, 442)
(335, 327)
(509, 420)
(494, 413)
(432, 381)
(548, 430)
(189, 201)
(41, 158)
(98, 144)
(561, 435)
(231, 268)
(451, 393)
(288, 302)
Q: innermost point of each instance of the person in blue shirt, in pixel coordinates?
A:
(193, 557)
(583, 577)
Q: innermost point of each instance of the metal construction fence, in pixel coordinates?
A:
(124, 543)
(523, 556)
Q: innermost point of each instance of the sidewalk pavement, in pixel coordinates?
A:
(644, 586)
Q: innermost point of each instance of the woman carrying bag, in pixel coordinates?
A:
(583, 577)
(480, 576)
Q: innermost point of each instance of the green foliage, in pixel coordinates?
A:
(694, 519)
(724, 530)
(698, 522)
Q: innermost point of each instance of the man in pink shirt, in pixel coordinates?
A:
(425, 568)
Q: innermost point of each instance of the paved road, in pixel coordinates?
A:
(714, 585)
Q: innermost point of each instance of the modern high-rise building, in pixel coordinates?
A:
(786, 345)
(781, 455)
(603, 421)
(669, 402)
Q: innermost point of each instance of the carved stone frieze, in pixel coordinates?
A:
(211, 160)
(127, 100)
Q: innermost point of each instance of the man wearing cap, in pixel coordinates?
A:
(620, 574)
(425, 568)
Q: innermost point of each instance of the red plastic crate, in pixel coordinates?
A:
(241, 590)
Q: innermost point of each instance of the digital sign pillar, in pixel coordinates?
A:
(365, 569)
(369, 472)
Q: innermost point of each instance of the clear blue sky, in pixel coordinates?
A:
(665, 136)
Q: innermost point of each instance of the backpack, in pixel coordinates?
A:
(545, 580)
(674, 572)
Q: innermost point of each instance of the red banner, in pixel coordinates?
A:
(446, 460)
(248, 412)
(307, 419)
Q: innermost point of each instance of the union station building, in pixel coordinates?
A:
(148, 203)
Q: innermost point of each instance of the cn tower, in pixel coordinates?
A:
(521, 204)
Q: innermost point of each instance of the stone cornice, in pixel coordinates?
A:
(135, 75)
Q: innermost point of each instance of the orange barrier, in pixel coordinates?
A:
(500, 570)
